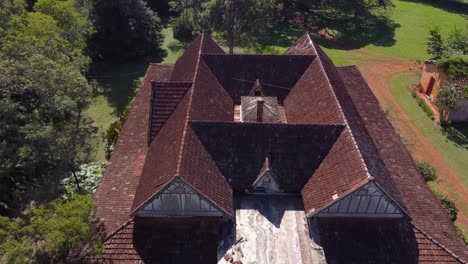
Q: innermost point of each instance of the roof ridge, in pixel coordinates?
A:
(113, 233)
(306, 34)
(189, 107)
(451, 253)
(339, 107)
(266, 124)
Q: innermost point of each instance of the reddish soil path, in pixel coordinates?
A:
(378, 76)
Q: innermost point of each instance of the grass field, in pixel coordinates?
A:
(413, 19)
(454, 152)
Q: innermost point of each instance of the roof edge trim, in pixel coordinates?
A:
(204, 196)
(347, 193)
(451, 253)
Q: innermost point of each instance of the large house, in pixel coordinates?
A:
(265, 159)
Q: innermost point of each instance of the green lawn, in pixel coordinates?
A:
(454, 152)
(415, 19)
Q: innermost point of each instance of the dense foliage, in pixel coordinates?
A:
(354, 22)
(425, 107)
(435, 44)
(84, 180)
(454, 67)
(44, 133)
(56, 232)
(240, 23)
(450, 52)
(446, 100)
(451, 208)
(126, 30)
(427, 171)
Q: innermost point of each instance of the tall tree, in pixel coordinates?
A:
(446, 100)
(126, 30)
(239, 22)
(435, 44)
(352, 21)
(43, 132)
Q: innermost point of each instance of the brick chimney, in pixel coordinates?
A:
(260, 103)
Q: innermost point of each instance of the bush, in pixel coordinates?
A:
(88, 177)
(425, 108)
(451, 207)
(183, 28)
(428, 171)
(50, 233)
(462, 233)
(454, 67)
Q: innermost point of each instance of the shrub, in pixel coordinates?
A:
(428, 171)
(113, 131)
(50, 233)
(451, 207)
(462, 233)
(454, 67)
(425, 107)
(88, 177)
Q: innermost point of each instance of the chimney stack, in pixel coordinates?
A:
(260, 103)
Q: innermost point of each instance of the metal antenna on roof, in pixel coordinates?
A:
(263, 84)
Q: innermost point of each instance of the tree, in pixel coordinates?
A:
(457, 41)
(239, 22)
(435, 44)
(44, 133)
(57, 232)
(354, 22)
(446, 100)
(183, 27)
(243, 22)
(126, 30)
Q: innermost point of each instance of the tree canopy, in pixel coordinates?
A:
(44, 133)
(126, 30)
(240, 23)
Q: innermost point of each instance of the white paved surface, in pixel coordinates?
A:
(275, 231)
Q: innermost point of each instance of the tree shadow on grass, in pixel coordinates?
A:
(453, 6)
(119, 82)
(378, 31)
(458, 134)
(282, 35)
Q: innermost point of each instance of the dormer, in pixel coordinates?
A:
(266, 182)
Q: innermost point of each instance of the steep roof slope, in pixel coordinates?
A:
(426, 212)
(237, 73)
(239, 150)
(114, 195)
(172, 144)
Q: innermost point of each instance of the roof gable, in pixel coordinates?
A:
(366, 201)
(237, 73)
(239, 150)
(178, 198)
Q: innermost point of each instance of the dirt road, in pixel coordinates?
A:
(378, 76)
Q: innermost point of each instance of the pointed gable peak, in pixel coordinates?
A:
(257, 89)
(266, 181)
(303, 46)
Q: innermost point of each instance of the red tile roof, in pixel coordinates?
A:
(425, 210)
(165, 97)
(115, 193)
(337, 138)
